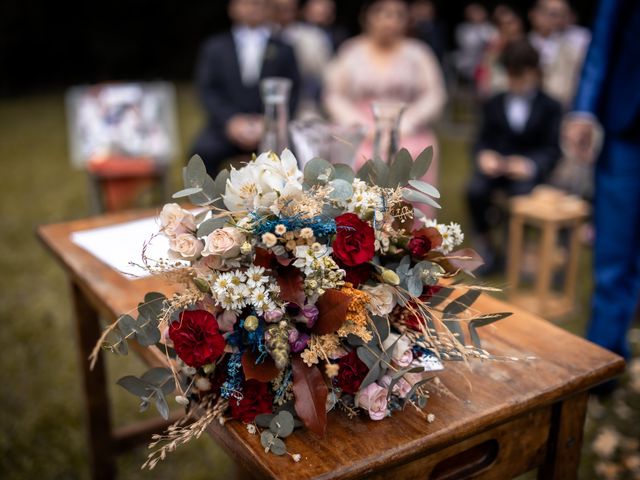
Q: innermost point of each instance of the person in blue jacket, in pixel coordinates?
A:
(609, 93)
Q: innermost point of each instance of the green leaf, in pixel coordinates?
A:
(318, 171)
(119, 343)
(395, 378)
(440, 297)
(422, 163)
(220, 187)
(481, 322)
(157, 376)
(374, 172)
(425, 187)
(208, 226)
(416, 386)
(264, 419)
(414, 285)
(400, 169)
(187, 192)
(195, 172)
(372, 376)
(153, 304)
(415, 196)
(282, 424)
(369, 355)
(381, 324)
(278, 447)
(127, 325)
(208, 194)
(344, 172)
(134, 385)
(266, 438)
(342, 190)
(161, 403)
(461, 303)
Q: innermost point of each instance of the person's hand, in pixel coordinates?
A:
(519, 168)
(490, 163)
(580, 138)
(245, 130)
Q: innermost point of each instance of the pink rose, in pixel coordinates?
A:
(402, 354)
(401, 388)
(185, 246)
(373, 398)
(206, 265)
(175, 220)
(224, 242)
(226, 320)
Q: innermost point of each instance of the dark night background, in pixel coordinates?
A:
(46, 44)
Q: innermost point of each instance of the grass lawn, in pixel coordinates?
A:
(41, 411)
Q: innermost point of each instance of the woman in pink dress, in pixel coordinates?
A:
(383, 64)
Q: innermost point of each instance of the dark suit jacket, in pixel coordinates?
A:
(223, 94)
(610, 84)
(537, 141)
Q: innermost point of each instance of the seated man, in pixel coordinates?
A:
(228, 75)
(517, 145)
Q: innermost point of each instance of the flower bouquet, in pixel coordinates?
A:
(302, 292)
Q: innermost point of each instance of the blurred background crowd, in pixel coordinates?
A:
(127, 92)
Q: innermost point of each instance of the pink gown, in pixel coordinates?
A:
(411, 75)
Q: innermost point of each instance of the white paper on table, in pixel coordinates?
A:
(118, 245)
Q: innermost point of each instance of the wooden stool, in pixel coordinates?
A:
(549, 210)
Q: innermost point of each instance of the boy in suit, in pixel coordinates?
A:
(230, 67)
(517, 145)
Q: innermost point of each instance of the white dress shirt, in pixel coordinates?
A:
(518, 110)
(251, 44)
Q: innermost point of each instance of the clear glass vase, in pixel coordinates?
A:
(386, 141)
(275, 93)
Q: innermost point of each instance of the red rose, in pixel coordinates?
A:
(351, 373)
(356, 275)
(196, 338)
(423, 241)
(256, 399)
(354, 242)
(411, 320)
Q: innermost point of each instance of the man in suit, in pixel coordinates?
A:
(517, 145)
(228, 75)
(609, 93)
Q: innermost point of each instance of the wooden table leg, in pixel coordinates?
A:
(95, 389)
(514, 259)
(565, 439)
(570, 281)
(545, 265)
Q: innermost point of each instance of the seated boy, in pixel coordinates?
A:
(517, 145)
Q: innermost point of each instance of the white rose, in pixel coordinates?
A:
(382, 299)
(175, 220)
(185, 245)
(225, 242)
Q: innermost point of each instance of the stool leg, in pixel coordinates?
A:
(95, 389)
(572, 267)
(514, 259)
(545, 267)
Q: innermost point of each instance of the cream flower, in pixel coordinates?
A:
(382, 299)
(175, 220)
(402, 354)
(224, 242)
(186, 246)
(373, 398)
(269, 239)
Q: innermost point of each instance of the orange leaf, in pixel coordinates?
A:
(310, 394)
(263, 372)
(332, 311)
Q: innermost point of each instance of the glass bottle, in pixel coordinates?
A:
(387, 117)
(275, 93)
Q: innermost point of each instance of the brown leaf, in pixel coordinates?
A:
(332, 311)
(264, 258)
(402, 214)
(291, 285)
(310, 394)
(263, 372)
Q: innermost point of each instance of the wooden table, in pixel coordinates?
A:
(505, 419)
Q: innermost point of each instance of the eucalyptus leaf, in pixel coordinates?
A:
(354, 340)
(415, 196)
(282, 424)
(381, 325)
(425, 187)
(154, 304)
(400, 169)
(127, 325)
(318, 171)
(422, 163)
(134, 385)
(187, 192)
(120, 346)
(342, 190)
(147, 333)
(266, 438)
(195, 172)
(440, 297)
(369, 355)
(264, 419)
(395, 378)
(161, 403)
(414, 285)
(416, 386)
(278, 447)
(461, 303)
(208, 194)
(372, 376)
(208, 226)
(157, 376)
(344, 172)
